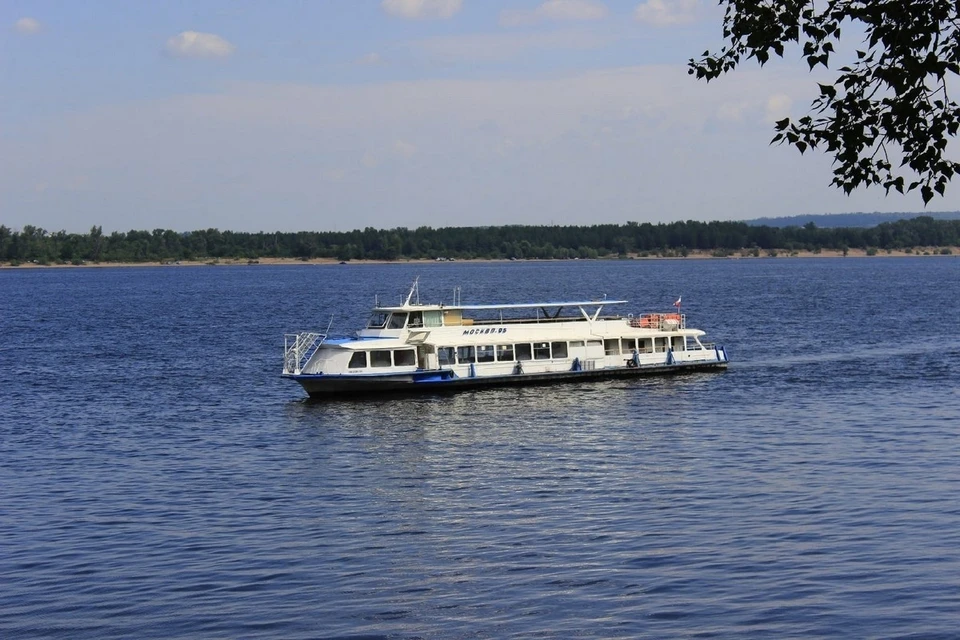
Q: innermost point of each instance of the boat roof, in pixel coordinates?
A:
(482, 307)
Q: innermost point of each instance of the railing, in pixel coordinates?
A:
(298, 348)
(660, 321)
(531, 320)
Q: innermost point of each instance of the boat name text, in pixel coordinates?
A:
(470, 332)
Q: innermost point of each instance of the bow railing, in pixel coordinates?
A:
(298, 348)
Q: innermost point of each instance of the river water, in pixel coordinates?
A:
(159, 480)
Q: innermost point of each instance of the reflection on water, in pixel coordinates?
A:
(514, 409)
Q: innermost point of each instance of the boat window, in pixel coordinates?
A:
(397, 320)
(485, 353)
(594, 343)
(611, 347)
(379, 358)
(358, 360)
(465, 355)
(377, 321)
(559, 349)
(541, 350)
(524, 352)
(404, 358)
(505, 352)
(627, 345)
(446, 356)
(576, 343)
(659, 345)
(432, 319)
(646, 346)
(416, 319)
(677, 343)
(692, 344)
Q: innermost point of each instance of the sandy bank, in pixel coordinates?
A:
(694, 255)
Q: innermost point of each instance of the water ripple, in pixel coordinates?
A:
(166, 484)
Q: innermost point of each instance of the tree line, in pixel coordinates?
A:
(515, 241)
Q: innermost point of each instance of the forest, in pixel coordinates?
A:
(674, 239)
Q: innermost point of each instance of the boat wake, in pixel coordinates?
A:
(938, 348)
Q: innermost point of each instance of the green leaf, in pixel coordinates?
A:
(893, 96)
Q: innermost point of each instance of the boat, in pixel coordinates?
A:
(414, 347)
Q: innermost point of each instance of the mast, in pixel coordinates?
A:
(414, 288)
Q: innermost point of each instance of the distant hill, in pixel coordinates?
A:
(848, 220)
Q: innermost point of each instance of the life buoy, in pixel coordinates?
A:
(650, 321)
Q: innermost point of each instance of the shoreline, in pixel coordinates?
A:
(695, 255)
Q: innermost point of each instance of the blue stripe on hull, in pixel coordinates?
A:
(320, 385)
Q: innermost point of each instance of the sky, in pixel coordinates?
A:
(342, 114)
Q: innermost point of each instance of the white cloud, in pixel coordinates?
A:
(404, 148)
(333, 175)
(505, 146)
(193, 44)
(500, 47)
(555, 10)
(373, 158)
(370, 160)
(371, 58)
(573, 10)
(665, 13)
(763, 109)
(27, 26)
(778, 107)
(732, 111)
(622, 144)
(422, 9)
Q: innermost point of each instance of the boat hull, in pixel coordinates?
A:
(329, 386)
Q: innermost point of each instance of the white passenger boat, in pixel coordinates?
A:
(416, 347)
